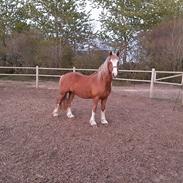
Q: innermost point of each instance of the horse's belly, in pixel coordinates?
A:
(84, 87)
(83, 93)
(81, 88)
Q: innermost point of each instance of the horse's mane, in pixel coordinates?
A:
(103, 69)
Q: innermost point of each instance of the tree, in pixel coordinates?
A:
(8, 9)
(22, 48)
(120, 21)
(123, 20)
(62, 20)
(162, 47)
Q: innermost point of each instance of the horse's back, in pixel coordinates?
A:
(74, 76)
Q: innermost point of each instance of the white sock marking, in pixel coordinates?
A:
(55, 112)
(103, 118)
(69, 113)
(92, 119)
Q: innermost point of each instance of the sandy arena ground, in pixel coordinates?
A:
(142, 143)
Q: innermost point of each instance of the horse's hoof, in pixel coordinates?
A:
(55, 114)
(104, 122)
(93, 123)
(70, 115)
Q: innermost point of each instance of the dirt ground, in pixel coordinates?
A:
(142, 143)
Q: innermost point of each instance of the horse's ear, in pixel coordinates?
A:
(117, 53)
(110, 53)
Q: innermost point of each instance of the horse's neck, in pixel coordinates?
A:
(103, 73)
(107, 77)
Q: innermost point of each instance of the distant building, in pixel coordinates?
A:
(95, 45)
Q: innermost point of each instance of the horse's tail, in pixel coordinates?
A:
(65, 101)
(60, 82)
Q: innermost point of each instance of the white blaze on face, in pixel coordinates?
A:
(115, 67)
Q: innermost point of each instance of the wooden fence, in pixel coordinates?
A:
(153, 79)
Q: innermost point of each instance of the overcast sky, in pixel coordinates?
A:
(94, 15)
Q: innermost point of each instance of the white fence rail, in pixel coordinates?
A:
(37, 74)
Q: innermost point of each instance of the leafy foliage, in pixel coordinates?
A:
(62, 22)
(162, 47)
(123, 20)
(48, 33)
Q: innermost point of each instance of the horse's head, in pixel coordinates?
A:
(113, 63)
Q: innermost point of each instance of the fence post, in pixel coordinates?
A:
(37, 76)
(153, 77)
(74, 69)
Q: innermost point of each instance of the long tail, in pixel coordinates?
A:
(65, 101)
(60, 82)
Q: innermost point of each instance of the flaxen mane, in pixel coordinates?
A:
(103, 68)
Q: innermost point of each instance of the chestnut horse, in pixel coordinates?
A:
(96, 86)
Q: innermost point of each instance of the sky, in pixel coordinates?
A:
(95, 12)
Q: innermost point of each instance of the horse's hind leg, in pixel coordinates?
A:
(59, 102)
(69, 112)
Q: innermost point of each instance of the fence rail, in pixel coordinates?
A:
(37, 74)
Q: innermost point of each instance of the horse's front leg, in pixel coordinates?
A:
(92, 119)
(103, 118)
